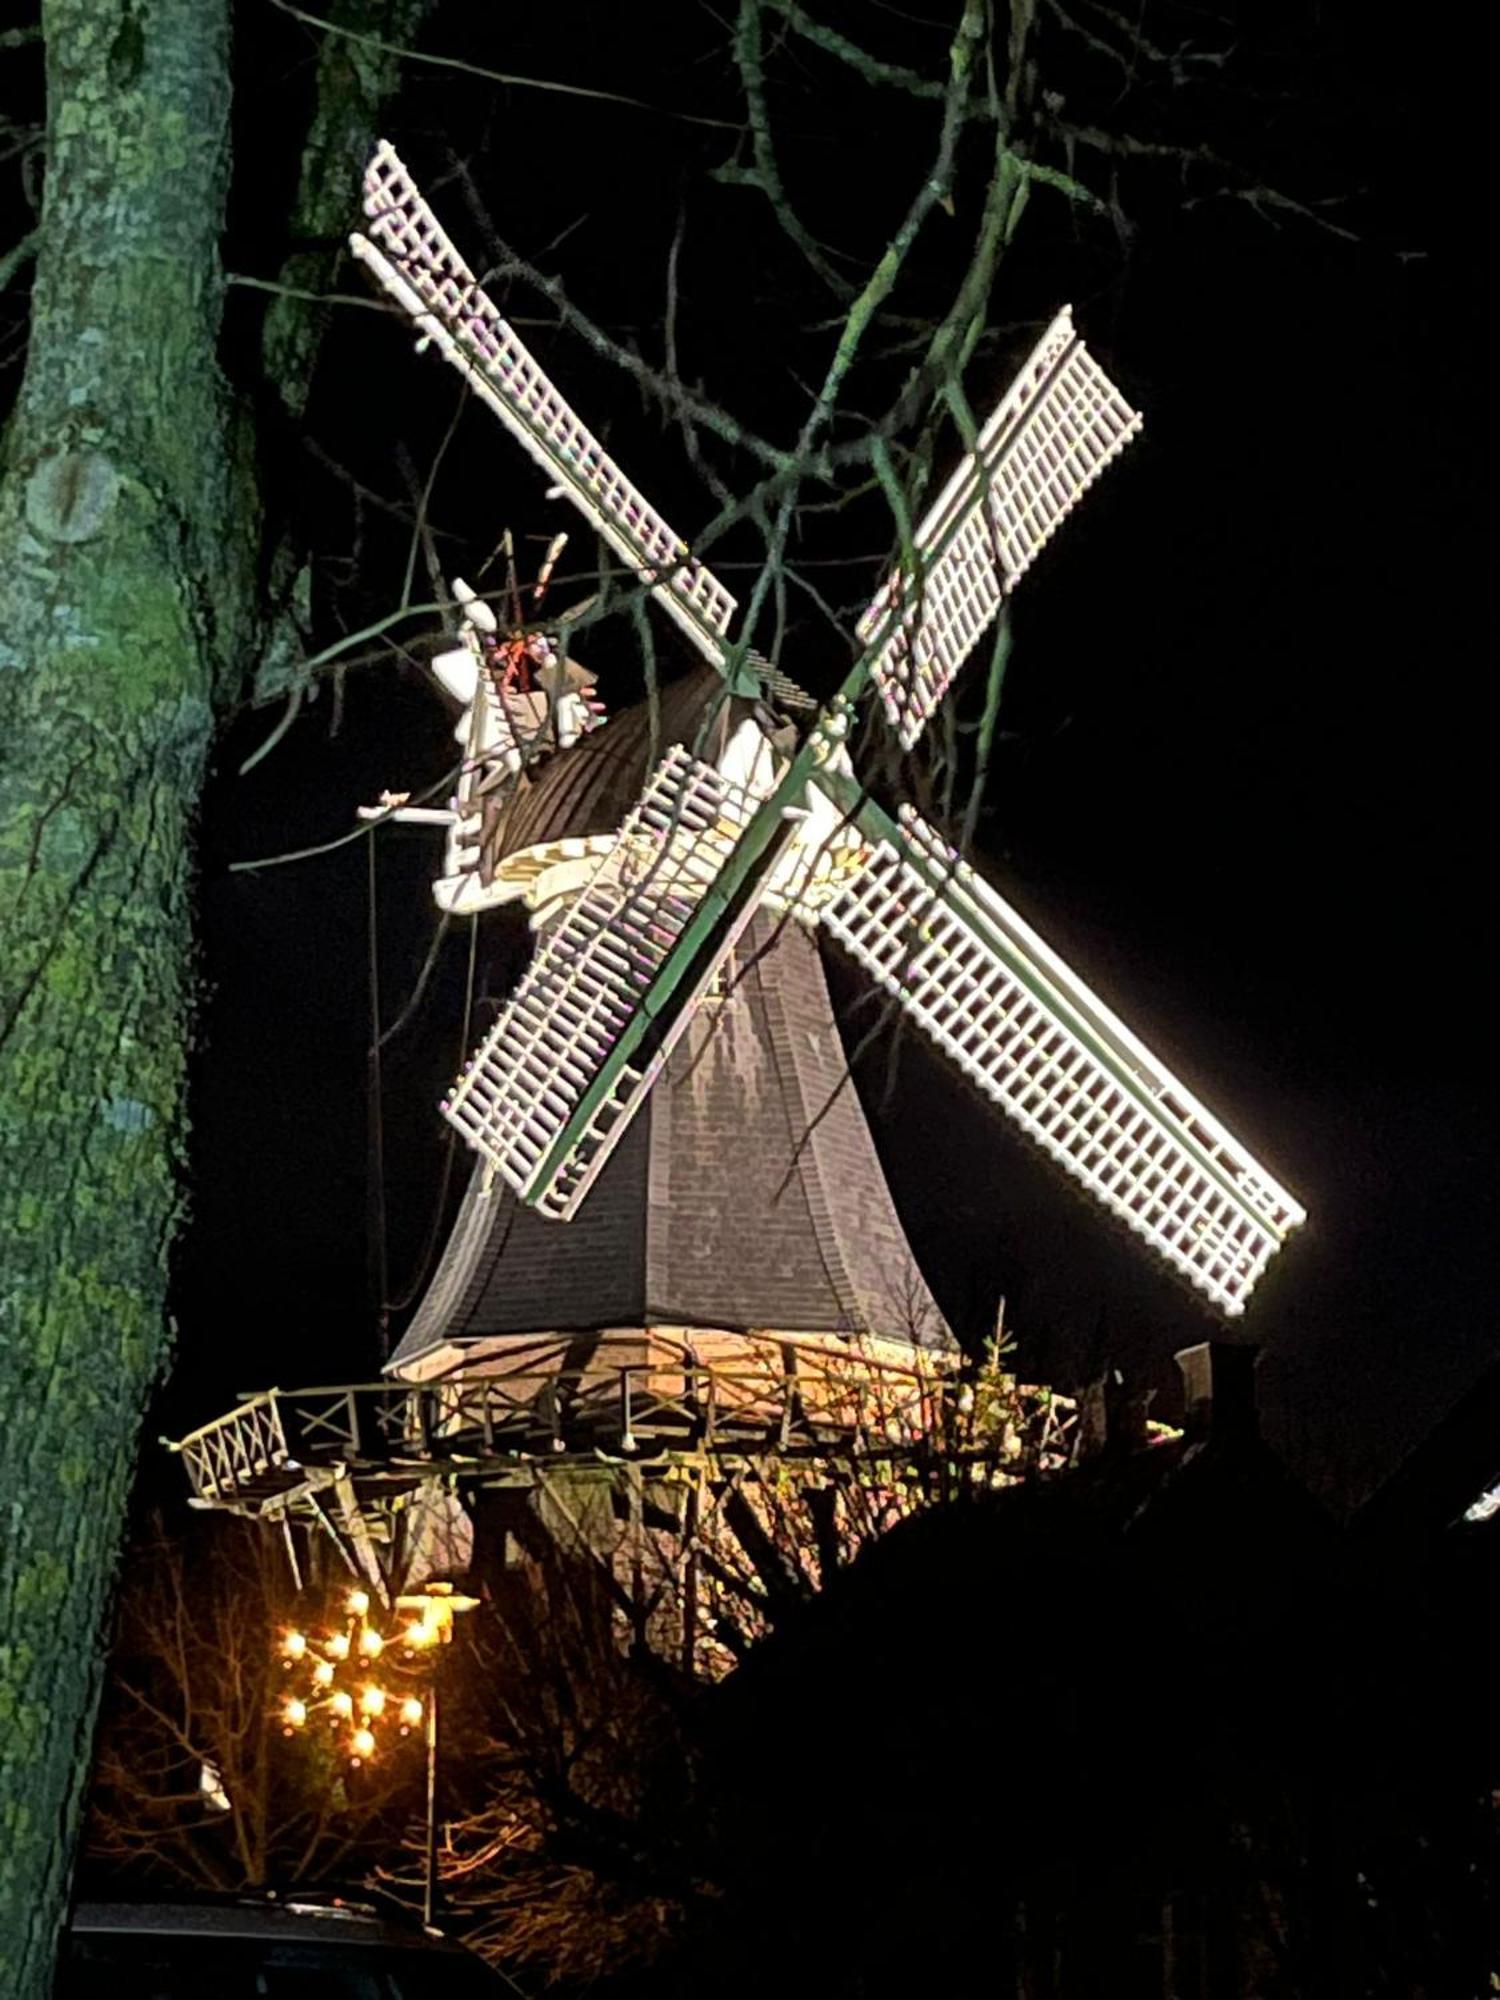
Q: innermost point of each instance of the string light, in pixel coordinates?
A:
(323, 1674)
(338, 1646)
(411, 1711)
(295, 1713)
(294, 1645)
(363, 1744)
(372, 1701)
(371, 1644)
(358, 1602)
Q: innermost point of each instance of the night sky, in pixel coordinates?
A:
(1241, 784)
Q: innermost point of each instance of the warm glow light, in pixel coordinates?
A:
(370, 1642)
(294, 1645)
(364, 1743)
(411, 1711)
(338, 1646)
(295, 1712)
(323, 1674)
(342, 1703)
(372, 1701)
(418, 1634)
(358, 1602)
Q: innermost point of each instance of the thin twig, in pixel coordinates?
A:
(507, 77)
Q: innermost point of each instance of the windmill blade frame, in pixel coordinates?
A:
(415, 262)
(553, 1087)
(574, 1054)
(1001, 1004)
(1056, 429)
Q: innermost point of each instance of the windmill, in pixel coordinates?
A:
(676, 1332)
(554, 1086)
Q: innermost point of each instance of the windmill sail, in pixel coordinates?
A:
(551, 1090)
(1056, 429)
(413, 260)
(1027, 1031)
(616, 981)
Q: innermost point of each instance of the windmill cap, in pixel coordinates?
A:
(565, 677)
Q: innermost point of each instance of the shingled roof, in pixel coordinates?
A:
(590, 788)
(747, 1195)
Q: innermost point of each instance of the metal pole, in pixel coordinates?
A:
(429, 1891)
(691, 1511)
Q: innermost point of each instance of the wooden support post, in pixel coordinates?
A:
(360, 1541)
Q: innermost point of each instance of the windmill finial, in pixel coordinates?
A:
(475, 609)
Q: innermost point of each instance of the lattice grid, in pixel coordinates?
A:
(1059, 425)
(418, 265)
(1033, 1038)
(590, 978)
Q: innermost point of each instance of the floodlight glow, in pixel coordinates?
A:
(591, 976)
(420, 268)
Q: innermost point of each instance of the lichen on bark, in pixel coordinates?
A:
(132, 607)
(125, 522)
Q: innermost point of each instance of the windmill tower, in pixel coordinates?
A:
(677, 1234)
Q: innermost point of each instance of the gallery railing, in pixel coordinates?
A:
(546, 1402)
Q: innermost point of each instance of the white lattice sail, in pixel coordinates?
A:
(413, 259)
(618, 978)
(591, 978)
(1059, 425)
(1024, 1028)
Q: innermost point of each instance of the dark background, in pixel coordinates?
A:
(1245, 764)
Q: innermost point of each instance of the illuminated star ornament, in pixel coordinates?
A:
(362, 1682)
(781, 819)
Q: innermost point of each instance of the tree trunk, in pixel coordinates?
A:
(127, 559)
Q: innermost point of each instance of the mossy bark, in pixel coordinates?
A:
(126, 596)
